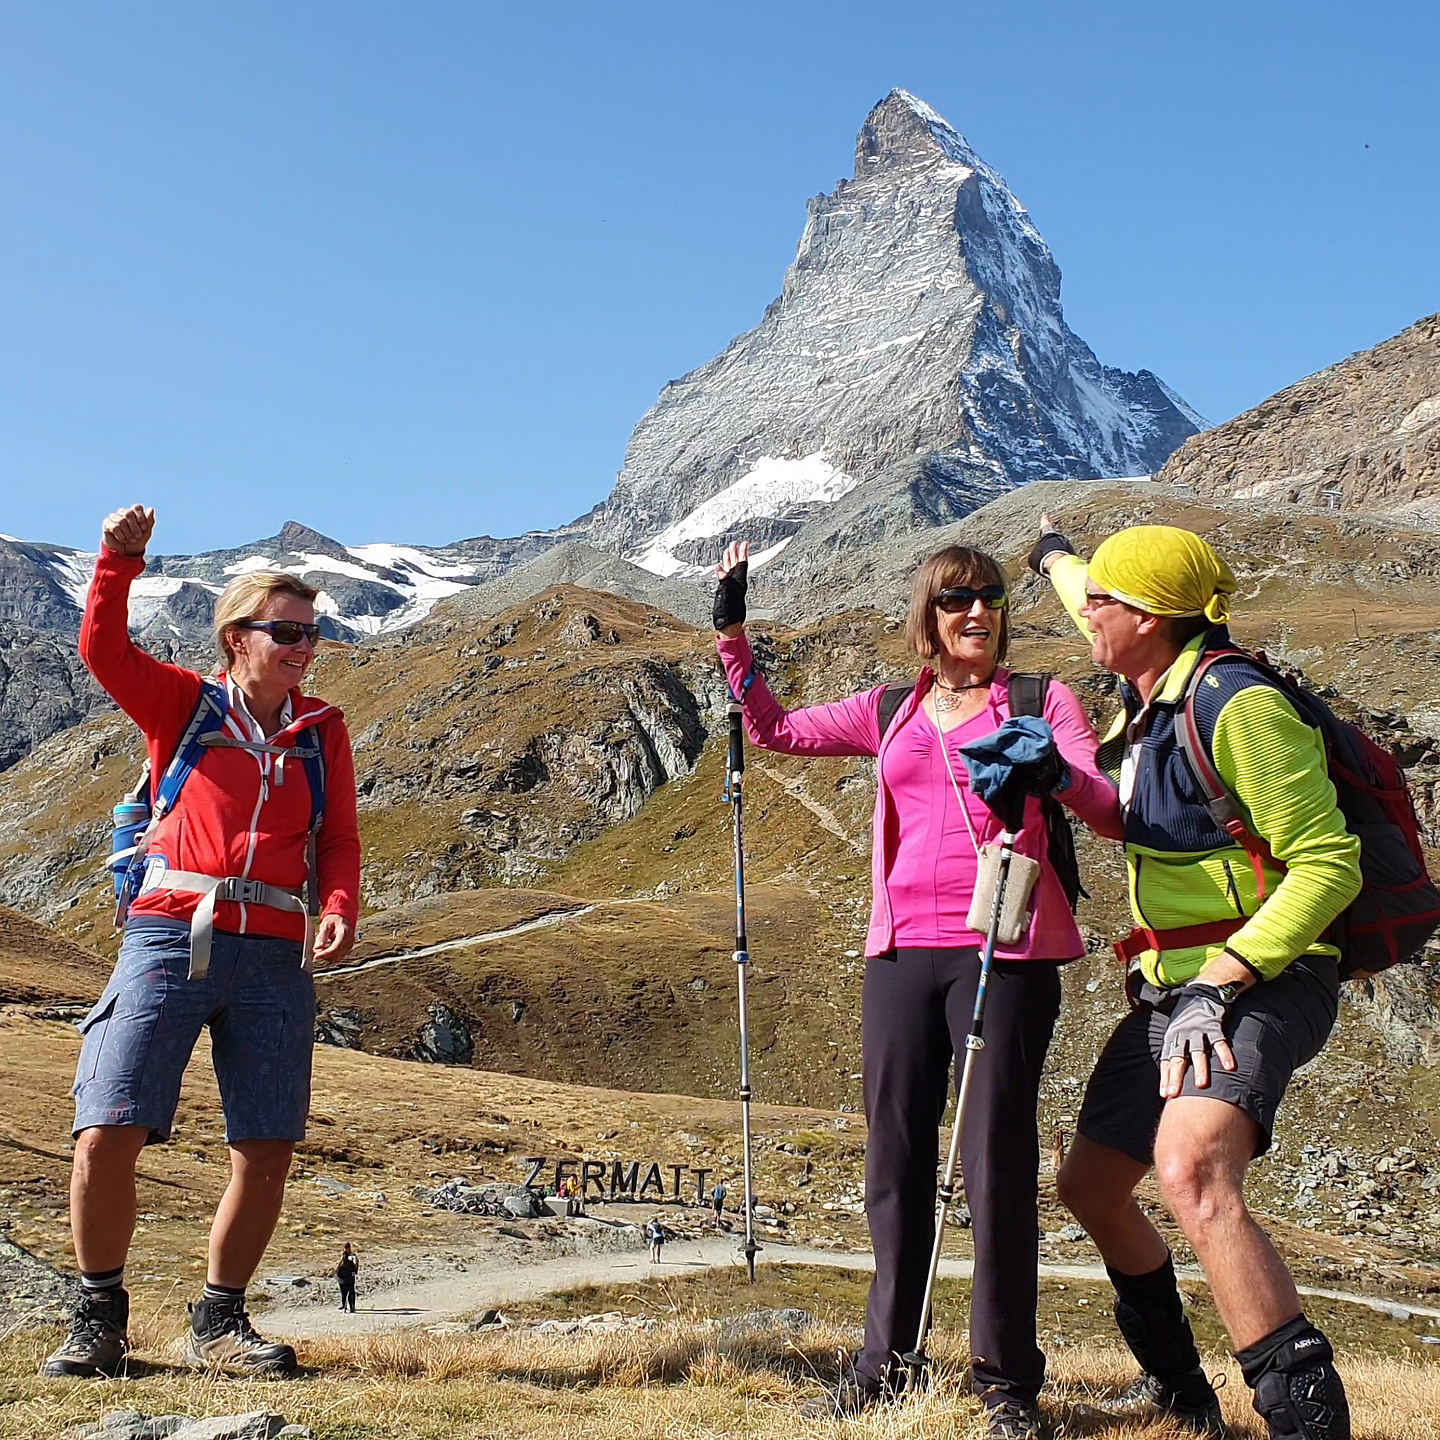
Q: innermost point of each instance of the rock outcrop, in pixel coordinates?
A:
(1363, 435)
(43, 689)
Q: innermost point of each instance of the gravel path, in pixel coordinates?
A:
(450, 1293)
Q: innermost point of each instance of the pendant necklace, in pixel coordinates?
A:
(951, 697)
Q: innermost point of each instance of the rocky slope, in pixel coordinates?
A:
(918, 336)
(1362, 436)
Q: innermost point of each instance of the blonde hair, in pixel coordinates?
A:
(245, 596)
(954, 565)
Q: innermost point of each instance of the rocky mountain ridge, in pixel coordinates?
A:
(1361, 436)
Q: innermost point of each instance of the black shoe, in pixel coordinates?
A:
(96, 1344)
(1012, 1420)
(845, 1401)
(1190, 1401)
(222, 1338)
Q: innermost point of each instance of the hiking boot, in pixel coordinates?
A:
(1190, 1401)
(96, 1344)
(844, 1402)
(1012, 1420)
(222, 1338)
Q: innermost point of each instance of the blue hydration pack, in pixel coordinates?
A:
(144, 806)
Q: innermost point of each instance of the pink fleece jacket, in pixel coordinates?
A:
(852, 727)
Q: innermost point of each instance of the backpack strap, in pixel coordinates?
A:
(210, 712)
(1026, 696)
(891, 699)
(312, 756)
(1223, 807)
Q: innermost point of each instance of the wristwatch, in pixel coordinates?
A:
(1226, 994)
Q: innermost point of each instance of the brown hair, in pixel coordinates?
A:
(954, 565)
(245, 596)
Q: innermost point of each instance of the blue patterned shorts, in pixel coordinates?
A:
(259, 1005)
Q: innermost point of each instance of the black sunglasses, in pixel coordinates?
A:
(956, 599)
(283, 632)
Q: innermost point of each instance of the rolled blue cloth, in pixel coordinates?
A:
(998, 762)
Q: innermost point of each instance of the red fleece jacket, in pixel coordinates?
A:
(232, 818)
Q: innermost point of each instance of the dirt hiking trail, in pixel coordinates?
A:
(455, 1289)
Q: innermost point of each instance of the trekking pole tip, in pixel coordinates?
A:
(916, 1362)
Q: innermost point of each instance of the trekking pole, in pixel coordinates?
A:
(734, 793)
(917, 1359)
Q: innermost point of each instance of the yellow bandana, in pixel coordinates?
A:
(1164, 571)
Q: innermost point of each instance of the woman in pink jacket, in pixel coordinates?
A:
(923, 961)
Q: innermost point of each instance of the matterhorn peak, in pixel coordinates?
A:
(915, 364)
(904, 131)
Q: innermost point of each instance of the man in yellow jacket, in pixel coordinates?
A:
(1233, 985)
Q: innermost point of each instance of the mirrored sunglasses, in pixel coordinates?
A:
(956, 599)
(284, 632)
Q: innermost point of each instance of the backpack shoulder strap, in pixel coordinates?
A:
(1026, 694)
(312, 756)
(891, 699)
(210, 711)
(1223, 807)
(1189, 734)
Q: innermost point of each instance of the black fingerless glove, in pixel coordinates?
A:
(730, 597)
(1052, 544)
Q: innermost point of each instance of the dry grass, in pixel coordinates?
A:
(681, 1379)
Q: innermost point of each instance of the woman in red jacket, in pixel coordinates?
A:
(217, 936)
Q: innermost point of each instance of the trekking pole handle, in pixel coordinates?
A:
(736, 760)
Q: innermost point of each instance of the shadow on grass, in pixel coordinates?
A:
(686, 1359)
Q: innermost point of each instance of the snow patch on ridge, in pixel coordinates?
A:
(772, 487)
(406, 557)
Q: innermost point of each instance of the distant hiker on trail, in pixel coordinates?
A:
(717, 1199)
(655, 1234)
(216, 934)
(345, 1273)
(923, 962)
(1231, 984)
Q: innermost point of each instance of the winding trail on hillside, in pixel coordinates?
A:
(450, 1293)
(540, 922)
(794, 787)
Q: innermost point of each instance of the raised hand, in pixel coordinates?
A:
(1050, 544)
(128, 532)
(733, 574)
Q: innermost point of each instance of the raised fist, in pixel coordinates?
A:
(128, 531)
(733, 575)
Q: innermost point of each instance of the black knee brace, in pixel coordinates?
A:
(1297, 1389)
(1151, 1317)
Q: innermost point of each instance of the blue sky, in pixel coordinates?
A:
(412, 272)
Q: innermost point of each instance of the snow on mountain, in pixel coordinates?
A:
(918, 336)
(364, 590)
(773, 488)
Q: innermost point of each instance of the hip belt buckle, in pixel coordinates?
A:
(243, 892)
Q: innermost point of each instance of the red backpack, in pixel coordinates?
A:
(1398, 907)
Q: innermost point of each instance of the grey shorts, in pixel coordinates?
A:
(259, 1004)
(1273, 1028)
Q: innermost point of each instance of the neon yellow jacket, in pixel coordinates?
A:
(1183, 869)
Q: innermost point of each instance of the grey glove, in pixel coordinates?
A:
(1197, 1023)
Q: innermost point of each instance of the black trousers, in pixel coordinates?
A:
(347, 1295)
(916, 1014)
